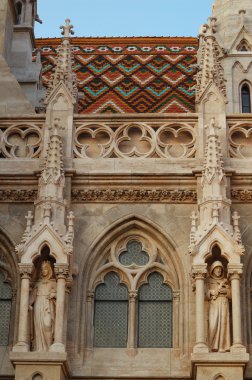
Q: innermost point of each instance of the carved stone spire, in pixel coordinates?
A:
(209, 61)
(63, 72)
(214, 208)
(52, 178)
(213, 176)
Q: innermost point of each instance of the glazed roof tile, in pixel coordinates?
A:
(129, 74)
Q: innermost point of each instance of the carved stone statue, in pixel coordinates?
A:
(43, 306)
(218, 294)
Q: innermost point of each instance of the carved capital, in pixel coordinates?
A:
(25, 270)
(90, 296)
(235, 271)
(133, 295)
(199, 272)
(61, 271)
(176, 296)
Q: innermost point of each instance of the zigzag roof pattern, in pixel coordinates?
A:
(129, 74)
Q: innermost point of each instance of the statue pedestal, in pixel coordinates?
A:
(226, 365)
(50, 365)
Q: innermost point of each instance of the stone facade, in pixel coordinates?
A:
(125, 239)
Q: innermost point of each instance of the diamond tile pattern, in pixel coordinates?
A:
(155, 313)
(111, 313)
(129, 75)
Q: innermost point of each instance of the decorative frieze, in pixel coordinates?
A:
(241, 195)
(134, 195)
(16, 195)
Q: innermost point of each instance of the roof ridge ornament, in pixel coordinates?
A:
(67, 29)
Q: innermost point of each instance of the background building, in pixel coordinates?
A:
(126, 201)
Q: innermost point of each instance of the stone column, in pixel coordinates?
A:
(199, 275)
(61, 272)
(23, 344)
(176, 318)
(89, 324)
(132, 320)
(234, 275)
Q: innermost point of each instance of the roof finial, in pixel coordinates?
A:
(242, 13)
(67, 29)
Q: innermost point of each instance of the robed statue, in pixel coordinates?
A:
(218, 293)
(42, 305)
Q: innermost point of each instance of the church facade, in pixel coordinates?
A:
(126, 201)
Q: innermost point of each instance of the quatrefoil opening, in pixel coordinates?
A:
(134, 254)
(176, 141)
(135, 141)
(93, 143)
(241, 142)
(21, 142)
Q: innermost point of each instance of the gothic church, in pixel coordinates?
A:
(126, 201)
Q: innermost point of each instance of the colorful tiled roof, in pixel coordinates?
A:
(129, 75)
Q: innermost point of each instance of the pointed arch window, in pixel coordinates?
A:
(111, 313)
(5, 310)
(37, 376)
(155, 313)
(245, 98)
(135, 303)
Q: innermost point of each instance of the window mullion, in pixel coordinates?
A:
(132, 319)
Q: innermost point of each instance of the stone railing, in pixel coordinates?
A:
(240, 137)
(21, 138)
(115, 137)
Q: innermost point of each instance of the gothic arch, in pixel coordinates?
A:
(245, 84)
(136, 227)
(219, 376)
(9, 268)
(240, 75)
(37, 376)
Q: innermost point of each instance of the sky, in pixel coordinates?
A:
(123, 17)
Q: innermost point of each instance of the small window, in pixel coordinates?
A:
(19, 12)
(5, 310)
(245, 99)
(111, 313)
(155, 313)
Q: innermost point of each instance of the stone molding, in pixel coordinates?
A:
(133, 195)
(20, 195)
(123, 195)
(241, 195)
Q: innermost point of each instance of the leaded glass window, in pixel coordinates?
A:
(134, 254)
(5, 309)
(111, 313)
(155, 313)
(245, 97)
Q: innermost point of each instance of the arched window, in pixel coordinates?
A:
(245, 98)
(5, 310)
(131, 304)
(111, 313)
(155, 313)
